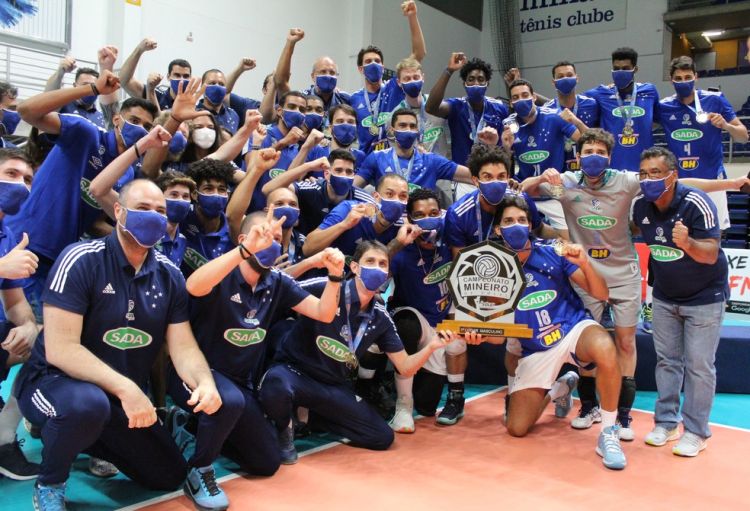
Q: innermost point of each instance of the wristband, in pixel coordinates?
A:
(137, 152)
(245, 253)
(95, 90)
(448, 72)
(255, 148)
(336, 278)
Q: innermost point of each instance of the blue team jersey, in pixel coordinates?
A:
(697, 146)
(60, 208)
(626, 155)
(202, 247)
(541, 145)
(549, 305)
(364, 230)
(319, 349)
(587, 110)
(461, 229)
(460, 119)
(227, 117)
(163, 96)
(678, 278)
(426, 168)
(91, 113)
(125, 315)
(287, 157)
(320, 151)
(390, 95)
(173, 249)
(421, 279)
(314, 203)
(338, 97)
(232, 321)
(241, 105)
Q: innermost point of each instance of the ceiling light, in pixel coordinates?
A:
(712, 33)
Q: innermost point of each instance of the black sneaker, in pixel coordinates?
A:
(608, 320)
(286, 446)
(453, 409)
(13, 463)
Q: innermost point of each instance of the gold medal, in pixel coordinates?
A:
(351, 361)
(559, 247)
(556, 191)
(627, 130)
(568, 145)
(374, 130)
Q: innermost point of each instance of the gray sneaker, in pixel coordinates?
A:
(564, 403)
(661, 435)
(690, 445)
(586, 418)
(102, 468)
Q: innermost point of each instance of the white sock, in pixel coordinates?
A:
(303, 414)
(558, 389)
(511, 382)
(455, 378)
(608, 418)
(10, 417)
(366, 374)
(404, 386)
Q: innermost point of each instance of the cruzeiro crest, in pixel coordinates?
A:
(486, 281)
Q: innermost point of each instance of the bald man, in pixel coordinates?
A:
(109, 306)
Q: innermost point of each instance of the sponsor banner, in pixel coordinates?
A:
(550, 19)
(739, 280)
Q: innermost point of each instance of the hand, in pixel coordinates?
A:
(266, 159)
(259, 135)
(567, 115)
(282, 262)
(409, 8)
(473, 338)
(739, 182)
(333, 261)
(718, 120)
(508, 138)
(138, 407)
(408, 233)
(261, 235)
(205, 398)
(576, 254)
(157, 137)
(107, 56)
(67, 64)
(293, 136)
(514, 186)
(488, 136)
(456, 62)
(108, 82)
(356, 214)
(442, 339)
(321, 163)
(19, 263)
(295, 35)
(314, 138)
(20, 340)
(247, 64)
(512, 75)
(153, 80)
(680, 235)
(147, 45)
(253, 119)
(183, 107)
(552, 176)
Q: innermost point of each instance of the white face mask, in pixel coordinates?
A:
(204, 137)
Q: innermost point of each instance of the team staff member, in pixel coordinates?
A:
(563, 332)
(627, 109)
(237, 299)
(690, 270)
(213, 101)
(694, 121)
(319, 360)
(109, 306)
(377, 99)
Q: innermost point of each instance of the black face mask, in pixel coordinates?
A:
(255, 265)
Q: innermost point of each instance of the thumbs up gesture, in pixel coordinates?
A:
(680, 235)
(19, 263)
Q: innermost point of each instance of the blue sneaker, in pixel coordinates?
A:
(608, 320)
(564, 403)
(286, 446)
(609, 449)
(201, 487)
(647, 317)
(49, 498)
(177, 419)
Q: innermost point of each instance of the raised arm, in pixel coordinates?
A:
(127, 71)
(418, 47)
(586, 276)
(246, 64)
(107, 56)
(67, 65)
(283, 67)
(704, 251)
(325, 308)
(268, 103)
(322, 238)
(435, 104)
(295, 174)
(314, 138)
(230, 149)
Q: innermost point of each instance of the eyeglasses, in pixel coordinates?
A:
(653, 174)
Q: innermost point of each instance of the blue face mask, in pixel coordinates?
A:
(654, 188)
(475, 93)
(174, 84)
(493, 191)
(623, 77)
(326, 83)
(566, 85)
(594, 165)
(12, 195)
(523, 107)
(146, 227)
(313, 121)
(372, 278)
(292, 118)
(132, 133)
(215, 94)
(413, 89)
(178, 143)
(88, 100)
(177, 210)
(405, 139)
(373, 72)
(392, 209)
(11, 118)
(344, 133)
(291, 214)
(268, 256)
(431, 227)
(515, 236)
(341, 184)
(684, 89)
(212, 205)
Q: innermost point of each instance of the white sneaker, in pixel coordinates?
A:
(403, 419)
(624, 430)
(690, 445)
(661, 435)
(586, 418)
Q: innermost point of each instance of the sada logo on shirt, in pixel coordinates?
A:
(635, 111)
(332, 348)
(534, 157)
(665, 254)
(243, 337)
(687, 134)
(127, 338)
(596, 222)
(438, 275)
(537, 300)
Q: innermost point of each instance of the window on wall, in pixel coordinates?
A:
(48, 29)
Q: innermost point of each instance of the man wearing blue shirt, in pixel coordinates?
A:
(680, 226)
(377, 99)
(213, 101)
(9, 117)
(421, 170)
(694, 121)
(109, 307)
(627, 109)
